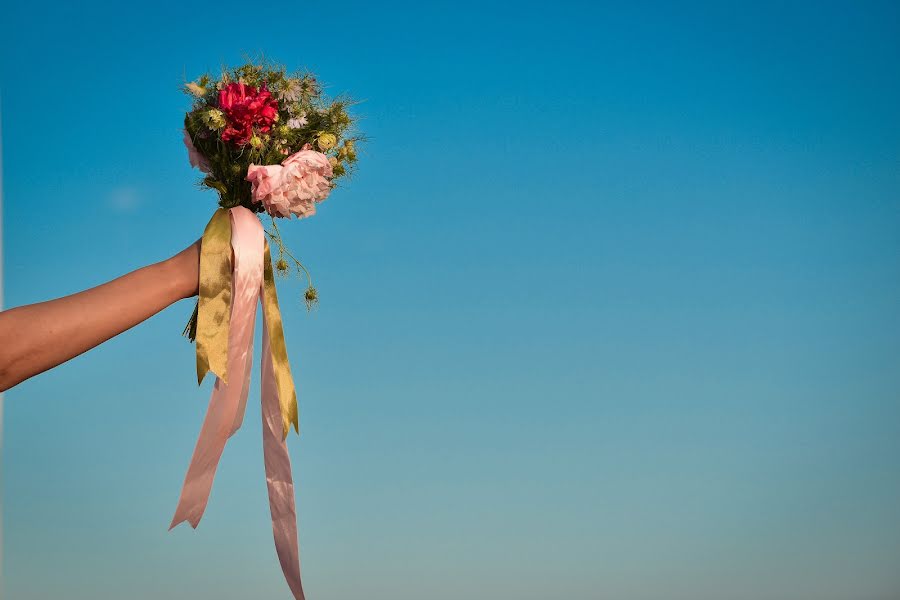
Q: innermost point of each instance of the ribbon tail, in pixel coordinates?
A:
(278, 474)
(224, 414)
(242, 405)
(287, 395)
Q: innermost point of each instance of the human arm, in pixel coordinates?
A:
(38, 337)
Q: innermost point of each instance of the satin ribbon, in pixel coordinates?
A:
(230, 348)
(214, 302)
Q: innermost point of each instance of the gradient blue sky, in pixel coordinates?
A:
(611, 308)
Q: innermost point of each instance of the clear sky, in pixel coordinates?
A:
(611, 308)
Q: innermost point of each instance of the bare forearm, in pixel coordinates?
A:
(40, 336)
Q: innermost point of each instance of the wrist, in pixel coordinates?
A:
(183, 271)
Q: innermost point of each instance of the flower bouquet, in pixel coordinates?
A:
(267, 142)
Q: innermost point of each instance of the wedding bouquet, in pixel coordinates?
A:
(267, 142)
(270, 142)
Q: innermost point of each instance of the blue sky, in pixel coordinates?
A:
(610, 308)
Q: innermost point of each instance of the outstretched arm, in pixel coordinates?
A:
(38, 337)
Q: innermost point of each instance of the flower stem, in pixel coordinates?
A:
(282, 249)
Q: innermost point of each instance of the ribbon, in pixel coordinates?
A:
(227, 335)
(287, 396)
(214, 302)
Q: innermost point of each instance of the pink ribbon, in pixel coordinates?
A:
(228, 403)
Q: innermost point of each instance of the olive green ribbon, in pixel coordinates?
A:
(214, 304)
(287, 395)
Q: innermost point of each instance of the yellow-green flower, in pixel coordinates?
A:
(256, 141)
(195, 89)
(311, 297)
(214, 119)
(347, 151)
(326, 141)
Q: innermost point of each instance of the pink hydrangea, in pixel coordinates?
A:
(293, 187)
(197, 160)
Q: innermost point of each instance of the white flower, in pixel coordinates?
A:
(290, 90)
(297, 122)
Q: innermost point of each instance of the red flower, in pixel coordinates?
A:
(246, 108)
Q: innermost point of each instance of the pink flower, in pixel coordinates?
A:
(293, 187)
(197, 160)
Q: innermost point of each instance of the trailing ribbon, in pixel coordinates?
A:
(287, 396)
(225, 322)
